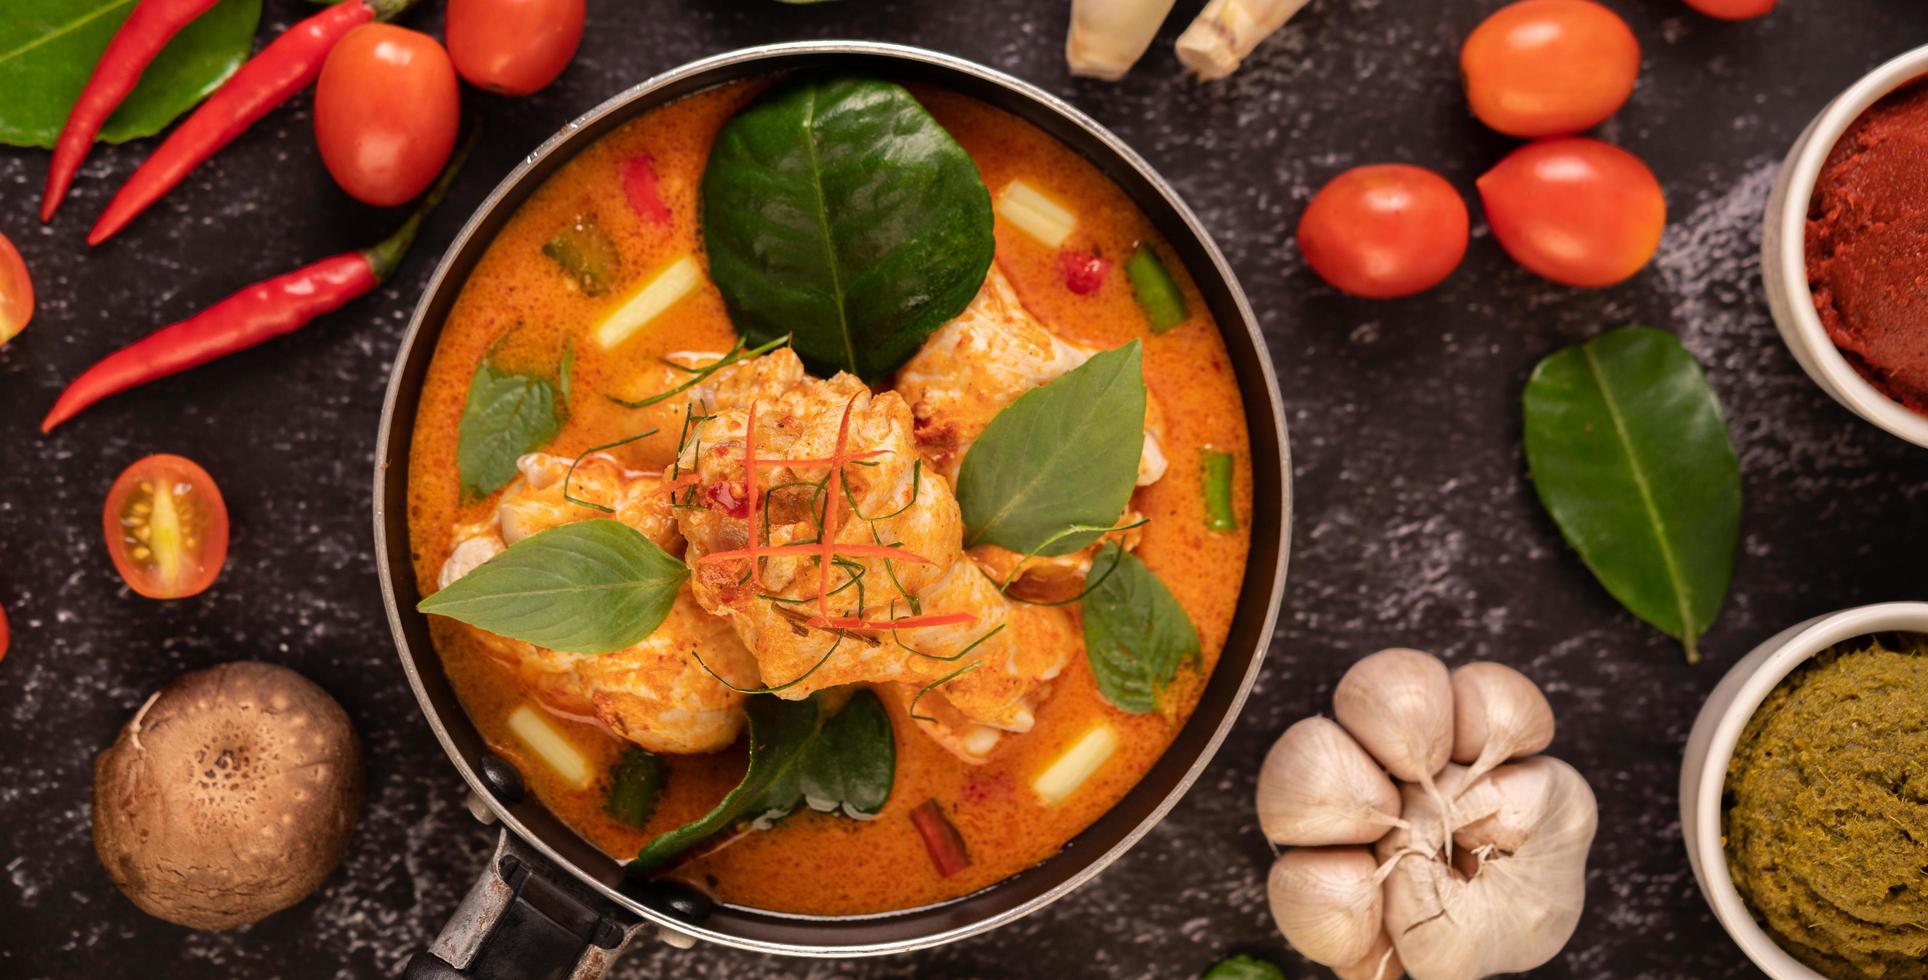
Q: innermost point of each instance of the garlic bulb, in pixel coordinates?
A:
(1108, 36)
(1317, 786)
(1531, 825)
(1381, 963)
(1227, 30)
(1498, 715)
(1326, 901)
(1399, 705)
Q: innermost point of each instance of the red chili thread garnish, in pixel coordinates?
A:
(1083, 272)
(639, 183)
(906, 623)
(825, 548)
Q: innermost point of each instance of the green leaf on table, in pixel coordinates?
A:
(1136, 634)
(589, 587)
(1632, 459)
(780, 731)
(48, 49)
(837, 209)
(506, 416)
(1243, 967)
(1060, 456)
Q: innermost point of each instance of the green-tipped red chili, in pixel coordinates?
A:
(287, 65)
(252, 316)
(1216, 471)
(141, 36)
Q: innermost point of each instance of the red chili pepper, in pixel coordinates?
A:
(287, 65)
(250, 317)
(1083, 272)
(945, 844)
(142, 36)
(639, 182)
(6, 635)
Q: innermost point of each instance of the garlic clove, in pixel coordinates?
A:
(1517, 907)
(1326, 901)
(1318, 787)
(1381, 963)
(1499, 714)
(1399, 704)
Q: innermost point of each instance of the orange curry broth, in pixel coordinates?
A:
(520, 303)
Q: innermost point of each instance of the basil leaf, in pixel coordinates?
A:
(1136, 634)
(1631, 457)
(48, 49)
(779, 732)
(1242, 967)
(1062, 455)
(588, 587)
(838, 210)
(635, 786)
(507, 415)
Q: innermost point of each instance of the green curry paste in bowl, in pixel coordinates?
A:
(1825, 810)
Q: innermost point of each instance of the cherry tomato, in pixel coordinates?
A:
(1576, 210)
(166, 527)
(1384, 231)
(1733, 9)
(386, 110)
(513, 46)
(1549, 67)
(16, 292)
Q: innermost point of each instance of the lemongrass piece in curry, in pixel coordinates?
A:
(1063, 777)
(650, 300)
(1498, 714)
(1226, 31)
(550, 745)
(1326, 901)
(1318, 787)
(1107, 37)
(1038, 216)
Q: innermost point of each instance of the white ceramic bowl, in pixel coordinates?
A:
(1784, 258)
(1710, 746)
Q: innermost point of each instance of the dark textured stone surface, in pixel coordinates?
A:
(1416, 525)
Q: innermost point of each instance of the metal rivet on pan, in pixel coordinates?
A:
(502, 779)
(676, 938)
(479, 808)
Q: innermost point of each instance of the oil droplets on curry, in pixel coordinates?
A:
(829, 494)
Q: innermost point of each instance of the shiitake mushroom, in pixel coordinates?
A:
(229, 796)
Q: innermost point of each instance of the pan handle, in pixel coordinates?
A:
(525, 920)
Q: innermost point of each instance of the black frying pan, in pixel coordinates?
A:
(551, 905)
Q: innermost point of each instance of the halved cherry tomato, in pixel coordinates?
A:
(514, 47)
(386, 111)
(16, 292)
(1385, 230)
(1549, 67)
(1576, 210)
(1733, 9)
(166, 527)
